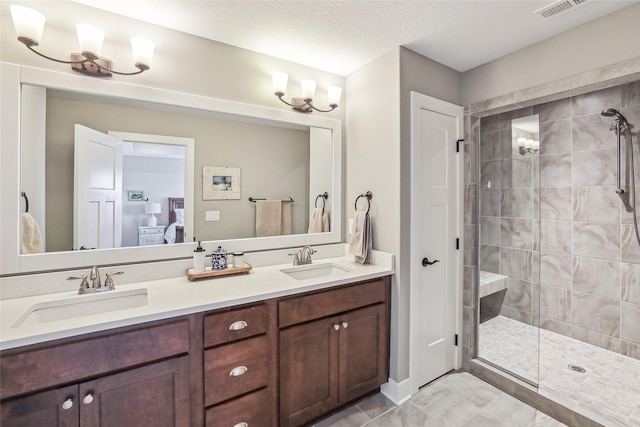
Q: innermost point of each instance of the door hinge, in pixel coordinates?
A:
(458, 145)
(455, 341)
(457, 244)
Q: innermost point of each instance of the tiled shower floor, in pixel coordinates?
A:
(610, 387)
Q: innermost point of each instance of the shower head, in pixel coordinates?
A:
(611, 112)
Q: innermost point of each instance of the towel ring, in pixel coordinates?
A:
(324, 196)
(368, 195)
(26, 202)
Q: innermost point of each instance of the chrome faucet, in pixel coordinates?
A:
(303, 256)
(96, 284)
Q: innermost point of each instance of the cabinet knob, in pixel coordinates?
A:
(87, 399)
(336, 326)
(345, 325)
(238, 325)
(242, 424)
(67, 404)
(237, 371)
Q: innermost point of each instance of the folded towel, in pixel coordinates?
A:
(319, 221)
(31, 237)
(268, 218)
(361, 239)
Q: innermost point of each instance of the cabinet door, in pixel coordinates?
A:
(308, 371)
(364, 347)
(55, 408)
(154, 395)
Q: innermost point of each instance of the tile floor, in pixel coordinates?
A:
(609, 388)
(457, 399)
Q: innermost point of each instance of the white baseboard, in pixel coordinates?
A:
(398, 393)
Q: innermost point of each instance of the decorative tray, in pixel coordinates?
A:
(208, 272)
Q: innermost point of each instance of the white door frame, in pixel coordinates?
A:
(418, 102)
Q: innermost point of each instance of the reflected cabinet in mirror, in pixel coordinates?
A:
(105, 173)
(510, 244)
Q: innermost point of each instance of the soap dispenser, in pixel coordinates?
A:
(198, 259)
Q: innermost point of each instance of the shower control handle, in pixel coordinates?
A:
(426, 262)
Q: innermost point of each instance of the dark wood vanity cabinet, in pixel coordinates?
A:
(334, 348)
(127, 377)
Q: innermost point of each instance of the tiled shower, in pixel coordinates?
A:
(549, 222)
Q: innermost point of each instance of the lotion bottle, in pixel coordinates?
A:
(198, 259)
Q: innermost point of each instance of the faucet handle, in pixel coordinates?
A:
(296, 257)
(109, 281)
(83, 285)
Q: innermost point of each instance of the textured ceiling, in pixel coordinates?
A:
(342, 36)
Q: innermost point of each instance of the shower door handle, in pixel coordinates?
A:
(426, 262)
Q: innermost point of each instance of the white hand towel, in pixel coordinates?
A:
(31, 237)
(316, 223)
(360, 245)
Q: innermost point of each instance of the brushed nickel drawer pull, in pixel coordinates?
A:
(237, 371)
(238, 325)
(242, 424)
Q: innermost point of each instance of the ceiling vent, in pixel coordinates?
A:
(558, 7)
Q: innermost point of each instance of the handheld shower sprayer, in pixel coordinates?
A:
(611, 112)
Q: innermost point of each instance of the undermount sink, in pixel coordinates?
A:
(82, 305)
(312, 271)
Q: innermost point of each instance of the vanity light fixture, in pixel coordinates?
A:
(526, 145)
(304, 103)
(29, 25)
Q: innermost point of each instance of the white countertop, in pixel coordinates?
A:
(178, 296)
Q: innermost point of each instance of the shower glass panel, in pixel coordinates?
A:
(510, 244)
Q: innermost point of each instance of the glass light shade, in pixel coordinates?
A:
(333, 95)
(536, 145)
(28, 23)
(152, 208)
(528, 144)
(280, 82)
(521, 141)
(90, 38)
(142, 51)
(308, 89)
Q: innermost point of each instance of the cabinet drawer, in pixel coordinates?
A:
(250, 361)
(151, 230)
(327, 303)
(253, 409)
(233, 325)
(26, 370)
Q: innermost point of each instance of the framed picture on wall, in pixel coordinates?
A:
(136, 195)
(220, 183)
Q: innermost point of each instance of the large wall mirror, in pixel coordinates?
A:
(192, 163)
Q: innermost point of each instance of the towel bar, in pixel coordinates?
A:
(251, 199)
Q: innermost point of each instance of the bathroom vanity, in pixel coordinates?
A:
(281, 357)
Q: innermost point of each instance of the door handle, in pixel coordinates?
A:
(426, 262)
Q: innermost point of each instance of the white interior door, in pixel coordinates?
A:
(97, 216)
(435, 226)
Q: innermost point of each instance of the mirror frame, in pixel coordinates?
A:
(12, 262)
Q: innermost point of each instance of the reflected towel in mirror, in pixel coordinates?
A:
(273, 217)
(319, 222)
(31, 237)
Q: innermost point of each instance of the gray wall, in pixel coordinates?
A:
(274, 162)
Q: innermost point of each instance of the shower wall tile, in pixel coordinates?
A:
(555, 203)
(507, 146)
(555, 303)
(489, 202)
(556, 326)
(516, 203)
(490, 123)
(490, 174)
(470, 204)
(596, 276)
(516, 172)
(490, 230)
(630, 282)
(597, 203)
(470, 163)
(515, 314)
(490, 258)
(556, 236)
(595, 102)
(516, 233)
(470, 247)
(630, 247)
(508, 116)
(630, 319)
(516, 263)
(555, 170)
(630, 94)
(608, 320)
(469, 292)
(597, 339)
(596, 240)
(489, 146)
(519, 295)
(555, 137)
(592, 132)
(594, 167)
(555, 270)
(553, 110)
(630, 349)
